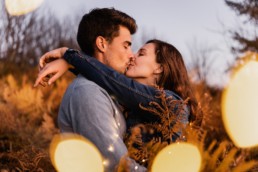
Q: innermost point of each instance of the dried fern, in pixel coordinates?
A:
(171, 113)
(218, 154)
(147, 139)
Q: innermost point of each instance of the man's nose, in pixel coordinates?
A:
(132, 60)
(131, 55)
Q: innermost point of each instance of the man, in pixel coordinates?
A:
(86, 108)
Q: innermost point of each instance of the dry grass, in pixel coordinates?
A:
(28, 123)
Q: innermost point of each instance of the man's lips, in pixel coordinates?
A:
(128, 67)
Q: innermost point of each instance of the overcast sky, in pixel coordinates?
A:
(184, 23)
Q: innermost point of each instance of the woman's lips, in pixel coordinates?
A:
(128, 67)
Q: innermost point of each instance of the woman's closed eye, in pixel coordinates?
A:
(141, 54)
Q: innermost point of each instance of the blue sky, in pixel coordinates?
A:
(183, 23)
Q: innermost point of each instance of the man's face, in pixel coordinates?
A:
(119, 52)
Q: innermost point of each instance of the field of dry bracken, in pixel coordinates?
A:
(28, 123)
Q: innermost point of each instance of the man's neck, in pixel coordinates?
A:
(100, 58)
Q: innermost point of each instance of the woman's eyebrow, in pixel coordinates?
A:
(142, 50)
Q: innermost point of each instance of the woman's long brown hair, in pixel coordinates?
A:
(175, 77)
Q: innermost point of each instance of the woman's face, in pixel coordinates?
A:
(145, 68)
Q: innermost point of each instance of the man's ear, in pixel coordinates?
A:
(101, 43)
(158, 70)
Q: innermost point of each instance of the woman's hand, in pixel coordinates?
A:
(52, 70)
(51, 55)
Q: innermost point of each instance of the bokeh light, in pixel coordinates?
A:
(20, 7)
(240, 106)
(179, 157)
(72, 152)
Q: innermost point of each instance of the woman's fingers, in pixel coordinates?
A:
(61, 67)
(43, 84)
(43, 76)
(48, 70)
(51, 55)
(46, 58)
(52, 71)
(54, 78)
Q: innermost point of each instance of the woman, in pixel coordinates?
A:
(157, 63)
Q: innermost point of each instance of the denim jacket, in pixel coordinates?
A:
(129, 93)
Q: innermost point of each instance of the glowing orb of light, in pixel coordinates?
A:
(179, 157)
(20, 7)
(71, 152)
(240, 106)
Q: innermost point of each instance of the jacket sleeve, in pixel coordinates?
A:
(129, 92)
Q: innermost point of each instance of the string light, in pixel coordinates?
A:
(239, 104)
(21, 7)
(180, 157)
(72, 152)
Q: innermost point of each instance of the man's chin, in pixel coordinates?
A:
(127, 73)
(126, 69)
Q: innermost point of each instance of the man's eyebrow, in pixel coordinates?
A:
(128, 43)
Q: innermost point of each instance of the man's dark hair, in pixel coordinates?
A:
(102, 22)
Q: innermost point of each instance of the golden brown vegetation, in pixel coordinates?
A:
(218, 152)
(28, 121)
(28, 115)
